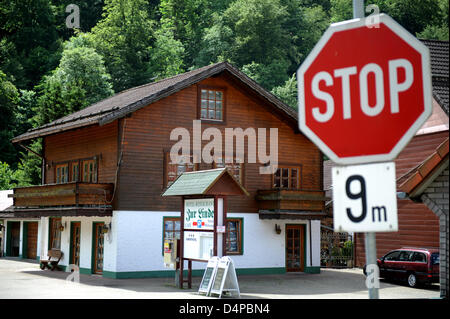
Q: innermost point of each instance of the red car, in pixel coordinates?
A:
(415, 265)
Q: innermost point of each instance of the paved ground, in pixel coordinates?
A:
(21, 279)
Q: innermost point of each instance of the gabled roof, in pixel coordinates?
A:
(217, 181)
(131, 100)
(439, 55)
(427, 171)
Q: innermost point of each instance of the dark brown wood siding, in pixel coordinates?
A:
(81, 143)
(147, 136)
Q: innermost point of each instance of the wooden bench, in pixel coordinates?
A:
(54, 256)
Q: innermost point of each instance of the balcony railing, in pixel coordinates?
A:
(291, 200)
(74, 194)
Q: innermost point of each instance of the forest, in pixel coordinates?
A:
(49, 69)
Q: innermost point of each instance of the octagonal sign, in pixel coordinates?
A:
(364, 91)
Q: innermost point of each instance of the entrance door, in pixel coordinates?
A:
(13, 239)
(32, 234)
(98, 248)
(75, 243)
(295, 247)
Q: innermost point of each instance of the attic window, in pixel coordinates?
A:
(211, 104)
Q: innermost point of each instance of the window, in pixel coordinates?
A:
(435, 258)
(236, 169)
(89, 171)
(234, 236)
(62, 173)
(392, 256)
(173, 170)
(287, 177)
(212, 102)
(419, 257)
(405, 256)
(171, 228)
(75, 172)
(55, 233)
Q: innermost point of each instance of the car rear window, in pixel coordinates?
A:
(435, 258)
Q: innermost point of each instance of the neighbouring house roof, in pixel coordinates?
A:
(131, 100)
(418, 179)
(206, 182)
(439, 55)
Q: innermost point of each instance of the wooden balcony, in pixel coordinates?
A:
(75, 194)
(291, 200)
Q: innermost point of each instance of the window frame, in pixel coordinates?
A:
(173, 219)
(240, 236)
(95, 170)
(53, 230)
(166, 168)
(290, 167)
(199, 101)
(67, 175)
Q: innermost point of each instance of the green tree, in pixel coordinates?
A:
(7, 178)
(288, 92)
(124, 37)
(80, 80)
(31, 29)
(9, 98)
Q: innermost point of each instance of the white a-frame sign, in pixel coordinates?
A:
(208, 276)
(225, 279)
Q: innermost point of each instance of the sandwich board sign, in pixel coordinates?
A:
(208, 276)
(225, 279)
(364, 198)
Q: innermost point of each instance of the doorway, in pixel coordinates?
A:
(30, 235)
(295, 248)
(75, 237)
(13, 239)
(98, 248)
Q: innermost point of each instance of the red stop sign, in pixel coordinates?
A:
(364, 91)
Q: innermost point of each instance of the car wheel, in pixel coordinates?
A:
(412, 280)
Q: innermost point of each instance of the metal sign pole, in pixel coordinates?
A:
(370, 239)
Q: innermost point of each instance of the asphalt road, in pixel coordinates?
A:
(24, 280)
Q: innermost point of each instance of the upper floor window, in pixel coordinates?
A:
(173, 170)
(287, 177)
(62, 173)
(76, 171)
(212, 103)
(89, 171)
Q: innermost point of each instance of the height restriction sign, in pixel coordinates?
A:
(364, 198)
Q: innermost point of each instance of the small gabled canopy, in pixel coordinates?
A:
(208, 182)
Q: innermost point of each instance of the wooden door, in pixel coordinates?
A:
(75, 243)
(32, 234)
(295, 258)
(98, 248)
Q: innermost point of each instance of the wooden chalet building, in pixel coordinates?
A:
(105, 167)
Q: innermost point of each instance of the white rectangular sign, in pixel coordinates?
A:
(364, 198)
(198, 245)
(199, 213)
